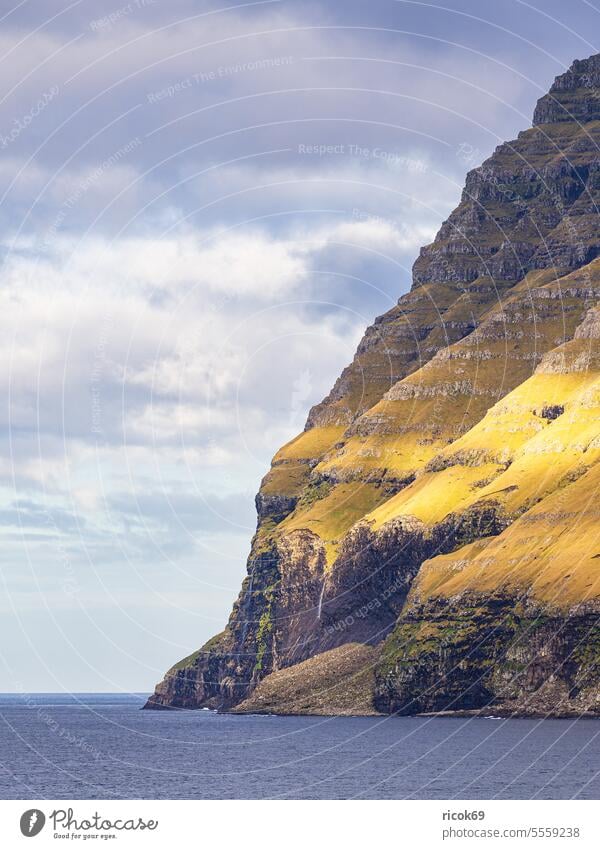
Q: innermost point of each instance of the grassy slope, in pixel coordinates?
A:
(515, 452)
(397, 435)
(551, 553)
(436, 424)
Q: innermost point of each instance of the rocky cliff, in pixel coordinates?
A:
(430, 541)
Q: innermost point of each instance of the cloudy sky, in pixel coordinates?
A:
(203, 206)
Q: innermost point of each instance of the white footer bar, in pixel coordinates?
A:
(306, 824)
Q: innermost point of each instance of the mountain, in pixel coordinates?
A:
(431, 540)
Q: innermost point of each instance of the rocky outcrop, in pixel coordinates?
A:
(396, 522)
(339, 682)
(573, 96)
(496, 655)
(510, 623)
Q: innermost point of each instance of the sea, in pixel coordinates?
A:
(103, 746)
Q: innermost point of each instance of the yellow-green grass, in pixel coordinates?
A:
(330, 517)
(434, 494)
(286, 479)
(398, 454)
(438, 413)
(519, 416)
(310, 444)
(564, 448)
(543, 452)
(449, 396)
(551, 553)
(291, 467)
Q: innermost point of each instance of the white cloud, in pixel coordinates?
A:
(383, 234)
(244, 265)
(192, 341)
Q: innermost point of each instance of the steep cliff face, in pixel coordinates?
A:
(512, 621)
(401, 522)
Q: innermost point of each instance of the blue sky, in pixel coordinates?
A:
(203, 206)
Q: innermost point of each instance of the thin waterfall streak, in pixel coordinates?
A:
(247, 603)
(320, 607)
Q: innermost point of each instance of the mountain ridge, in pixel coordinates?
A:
(467, 406)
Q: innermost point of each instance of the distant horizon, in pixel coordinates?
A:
(74, 692)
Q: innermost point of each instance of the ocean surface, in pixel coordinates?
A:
(103, 747)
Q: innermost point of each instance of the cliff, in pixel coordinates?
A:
(430, 541)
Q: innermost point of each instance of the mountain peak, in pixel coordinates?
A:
(574, 95)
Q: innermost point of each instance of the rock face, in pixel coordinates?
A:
(430, 541)
(573, 96)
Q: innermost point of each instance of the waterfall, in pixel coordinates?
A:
(247, 603)
(320, 606)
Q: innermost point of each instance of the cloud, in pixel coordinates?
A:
(388, 100)
(168, 351)
(244, 265)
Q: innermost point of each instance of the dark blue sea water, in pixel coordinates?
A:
(104, 746)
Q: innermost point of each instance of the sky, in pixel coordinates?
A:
(203, 205)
